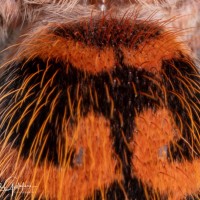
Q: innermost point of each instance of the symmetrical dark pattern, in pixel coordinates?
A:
(37, 87)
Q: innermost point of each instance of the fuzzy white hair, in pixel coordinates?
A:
(16, 16)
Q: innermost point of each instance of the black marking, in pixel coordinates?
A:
(115, 192)
(74, 84)
(135, 192)
(91, 90)
(110, 32)
(187, 148)
(119, 83)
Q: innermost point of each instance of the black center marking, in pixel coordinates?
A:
(112, 32)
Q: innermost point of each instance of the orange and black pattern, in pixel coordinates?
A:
(105, 108)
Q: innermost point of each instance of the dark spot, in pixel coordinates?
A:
(1, 20)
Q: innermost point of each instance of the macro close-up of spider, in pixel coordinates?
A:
(100, 99)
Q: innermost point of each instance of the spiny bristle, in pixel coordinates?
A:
(98, 44)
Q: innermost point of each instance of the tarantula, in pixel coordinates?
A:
(99, 99)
